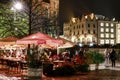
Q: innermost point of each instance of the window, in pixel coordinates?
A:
(107, 29)
(112, 24)
(93, 31)
(83, 39)
(86, 17)
(74, 27)
(107, 35)
(112, 30)
(88, 39)
(102, 29)
(112, 35)
(82, 32)
(112, 41)
(88, 25)
(88, 31)
(107, 41)
(107, 24)
(82, 26)
(101, 41)
(102, 35)
(74, 33)
(78, 32)
(101, 24)
(79, 26)
(93, 25)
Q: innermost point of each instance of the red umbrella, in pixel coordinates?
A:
(8, 40)
(39, 38)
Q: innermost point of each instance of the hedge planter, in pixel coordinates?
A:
(95, 57)
(64, 71)
(48, 69)
(35, 73)
(82, 68)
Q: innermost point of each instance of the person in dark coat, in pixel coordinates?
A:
(113, 57)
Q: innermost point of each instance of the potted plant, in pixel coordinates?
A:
(34, 63)
(94, 57)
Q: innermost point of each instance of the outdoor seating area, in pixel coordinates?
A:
(56, 58)
(13, 52)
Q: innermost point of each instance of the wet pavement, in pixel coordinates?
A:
(104, 73)
(92, 75)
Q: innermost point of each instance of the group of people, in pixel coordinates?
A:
(18, 54)
(110, 55)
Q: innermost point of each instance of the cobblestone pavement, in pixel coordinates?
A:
(93, 75)
(105, 73)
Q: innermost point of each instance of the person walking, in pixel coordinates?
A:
(113, 57)
(107, 55)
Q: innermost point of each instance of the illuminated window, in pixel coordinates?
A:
(112, 35)
(107, 41)
(102, 29)
(96, 17)
(73, 20)
(112, 30)
(118, 35)
(107, 35)
(101, 24)
(107, 29)
(112, 41)
(101, 41)
(88, 39)
(83, 39)
(107, 24)
(86, 17)
(112, 24)
(102, 35)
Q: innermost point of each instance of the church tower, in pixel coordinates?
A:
(54, 13)
(49, 17)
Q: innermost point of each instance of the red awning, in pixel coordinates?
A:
(39, 38)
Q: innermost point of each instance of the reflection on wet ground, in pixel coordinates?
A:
(93, 75)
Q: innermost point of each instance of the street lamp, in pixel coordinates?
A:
(16, 6)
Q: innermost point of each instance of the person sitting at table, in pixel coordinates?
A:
(61, 56)
(8, 54)
(23, 55)
(13, 53)
(67, 55)
(55, 57)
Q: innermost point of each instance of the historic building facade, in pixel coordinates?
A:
(91, 29)
(118, 33)
(48, 18)
(83, 31)
(106, 32)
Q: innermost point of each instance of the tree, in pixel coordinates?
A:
(40, 18)
(34, 11)
(9, 26)
(38, 15)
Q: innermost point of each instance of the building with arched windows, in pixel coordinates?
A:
(83, 31)
(91, 29)
(118, 33)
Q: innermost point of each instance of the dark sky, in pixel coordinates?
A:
(108, 8)
(75, 8)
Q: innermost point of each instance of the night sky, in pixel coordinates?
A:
(75, 8)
